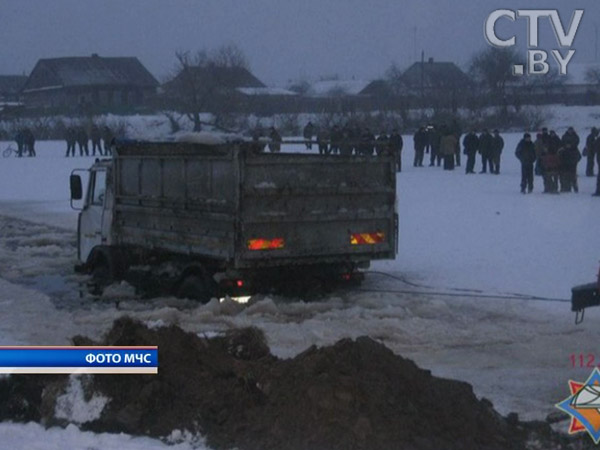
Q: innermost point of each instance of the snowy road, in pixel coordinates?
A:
(474, 232)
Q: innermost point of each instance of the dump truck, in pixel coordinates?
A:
(204, 218)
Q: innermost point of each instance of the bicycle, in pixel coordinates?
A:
(9, 151)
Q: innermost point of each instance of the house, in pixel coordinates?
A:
(433, 76)
(92, 82)
(10, 87)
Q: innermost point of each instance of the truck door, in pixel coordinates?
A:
(90, 219)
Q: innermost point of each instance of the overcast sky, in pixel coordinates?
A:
(283, 39)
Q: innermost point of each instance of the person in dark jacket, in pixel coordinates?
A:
(569, 158)
(20, 140)
(497, 145)
(420, 140)
(107, 137)
(29, 142)
(367, 140)
(471, 146)
(526, 154)
(308, 133)
(554, 142)
(570, 138)
(597, 152)
(589, 152)
(396, 144)
(434, 137)
(485, 149)
(457, 131)
(95, 137)
(323, 141)
(275, 143)
(71, 141)
(448, 148)
(336, 140)
(382, 144)
(82, 141)
(346, 143)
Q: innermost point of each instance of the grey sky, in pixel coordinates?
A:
(283, 39)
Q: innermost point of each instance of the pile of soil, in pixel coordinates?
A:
(352, 395)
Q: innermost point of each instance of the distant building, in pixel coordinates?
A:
(10, 87)
(431, 76)
(89, 82)
(221, 78)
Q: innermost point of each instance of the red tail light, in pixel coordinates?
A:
(367, 238)
(239, 283)
(266, 244)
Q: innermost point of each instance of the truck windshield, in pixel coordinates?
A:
(98, 188)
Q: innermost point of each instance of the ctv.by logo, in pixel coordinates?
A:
(537, 60)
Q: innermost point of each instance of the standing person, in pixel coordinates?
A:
(323, 141)
(20, 140)
(497, 145)
(526, 154)
(367, 140)
(107, 137)
(29, 142)
(382, 144)
(597, 151)
(448, 148)
(396, 144)
(336, 140)
(275, 144)
(589, 152)
(570, 138)
(346, 144)
(420, 140)
(485, 148)
(569, 158)
(308, 132)
(541, 148)
(435, 138)
(457, 131)
(95, 136)
(71, 139)
(82, 140)
(429, 141)
(550, 164)
(554, 142)
(471, 145)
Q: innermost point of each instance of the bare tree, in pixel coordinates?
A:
(200, 79)
(493, 68)
(592, 75)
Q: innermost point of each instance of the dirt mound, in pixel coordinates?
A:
(352, 395)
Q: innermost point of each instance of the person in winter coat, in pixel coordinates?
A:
(570, 138)
(569, 158)
(485, 149)
(275, 143)
(420, 141)
(435, 138)
(589, 152)
(308, 133)
(367, 140)
(382, 145)
(497, 145)
(448, 149)
(550, 163)
(457, 131)
(107, 137)
(336, 140)
(541, 147)
(20, 140)
(71, 139)
(396, 144)
(95, 137)
(323, 141)
(471, 146)
(82, 141)
(346, 142)
(29, 142)
(525, 153)
(554, 142)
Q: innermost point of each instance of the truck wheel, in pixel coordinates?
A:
(100, 276)
(195, 287)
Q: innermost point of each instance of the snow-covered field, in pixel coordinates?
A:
(464, 235)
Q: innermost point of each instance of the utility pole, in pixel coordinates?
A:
(414, 43)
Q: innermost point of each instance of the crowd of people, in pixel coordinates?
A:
(80, 137)
(25, 142)
(550, 156)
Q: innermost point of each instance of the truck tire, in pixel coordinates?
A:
(195, 287)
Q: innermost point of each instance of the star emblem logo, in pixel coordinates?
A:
(583, 405)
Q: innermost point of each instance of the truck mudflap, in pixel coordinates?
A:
(582, 297)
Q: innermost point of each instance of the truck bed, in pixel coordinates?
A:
(222, 202)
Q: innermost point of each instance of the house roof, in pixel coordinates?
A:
(383, 88)
(225, 77)
(435, 74)
(333, 87)
(11, 84)
(88, 71)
